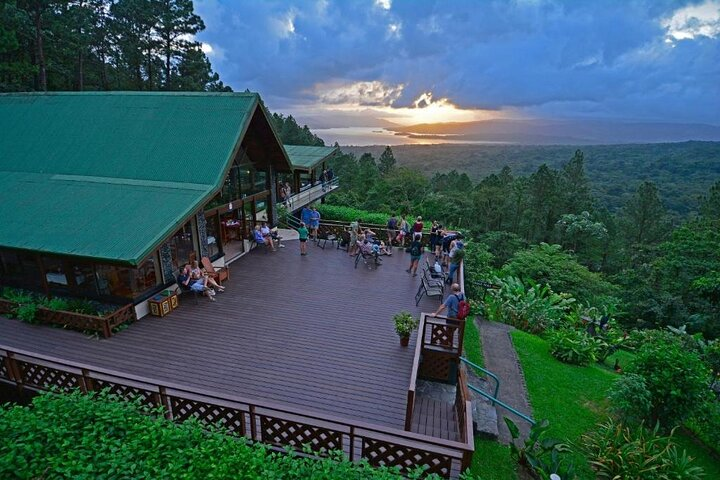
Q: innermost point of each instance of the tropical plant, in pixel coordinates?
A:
(706, 424)
(405, 323)
(676, 377)
(572, 346)
(617, 451)
(532, 308)
(348, 214)
(540, 454)
(630, 399)
(27, 312)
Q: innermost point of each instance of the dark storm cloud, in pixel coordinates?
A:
(546, 57)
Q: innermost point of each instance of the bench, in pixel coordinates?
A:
(183, 290)
(429, 290)
(433, 281)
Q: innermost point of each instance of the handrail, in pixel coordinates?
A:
(487, 372)
(307, 195)
(410, 407)
(502, 404)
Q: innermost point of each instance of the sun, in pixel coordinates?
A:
(425, 109)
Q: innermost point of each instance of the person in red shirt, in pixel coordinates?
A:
(418, 225)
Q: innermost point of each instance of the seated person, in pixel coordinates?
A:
(364, 246)
(261, 239)
(198, 274)
(265, 230)
(196, 285)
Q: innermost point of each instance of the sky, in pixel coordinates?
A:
(350, 63)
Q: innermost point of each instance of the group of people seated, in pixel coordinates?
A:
(264, 236)
(369, 244)
(198, 280)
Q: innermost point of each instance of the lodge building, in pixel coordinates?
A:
(106, 195)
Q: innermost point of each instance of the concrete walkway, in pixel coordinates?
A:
(502, 360)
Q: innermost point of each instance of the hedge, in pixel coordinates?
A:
(98, 436)
(347, 214)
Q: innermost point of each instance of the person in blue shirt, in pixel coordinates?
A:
(314, 222)
(452, 302)
(260, 239)
(305, 215)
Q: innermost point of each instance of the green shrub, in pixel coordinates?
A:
(676, 377)
(17, 295)
(619, 452)
(711, 356)
(550, 265)
(87, 436)
(347, 214)
(82, 306)
(57, 304)
(572, 346)
(27, 312)
(630, 399)
(706, 424)
(532, 308)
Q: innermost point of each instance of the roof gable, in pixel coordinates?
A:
(122, 170)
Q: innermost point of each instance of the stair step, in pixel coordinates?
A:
(484, 419)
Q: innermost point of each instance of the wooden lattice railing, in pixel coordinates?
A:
(274, 424)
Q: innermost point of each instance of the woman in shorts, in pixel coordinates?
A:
(303, 233)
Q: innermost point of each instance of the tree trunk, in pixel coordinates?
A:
(168, 55)
(42, 70)
(81, 57)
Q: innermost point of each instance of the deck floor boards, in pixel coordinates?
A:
(313, 332)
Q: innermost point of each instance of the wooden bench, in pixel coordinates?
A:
(183, 289)
(324, 239)
(429, 290)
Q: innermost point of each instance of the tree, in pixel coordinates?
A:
(575, 187)
(176, 23)
(710, 204)
(644, 218)
(387, 161)
(541, 213)
(37, 11)
(15, 44)
(578, 230)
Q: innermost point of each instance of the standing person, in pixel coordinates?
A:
(457, 253)
(281, 193)
(305, 214)
(391, 230)
(314, 222)
(288, 194)
(415, 254)
(452, 302)
(418, 225)
(404, 228)
(323, 179)
(433, 235)
(303, 233)
(354, 231)
(438, 242)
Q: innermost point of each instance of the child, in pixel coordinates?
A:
(303, 232)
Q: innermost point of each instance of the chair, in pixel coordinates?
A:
(218, 273)
(429, 290)
(183, 289)
(366, 256)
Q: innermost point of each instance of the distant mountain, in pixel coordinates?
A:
(560, 132)
(682, 171)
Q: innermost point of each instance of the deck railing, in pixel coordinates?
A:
(309, 194)
(266, 422)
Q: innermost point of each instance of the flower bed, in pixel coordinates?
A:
(28, 308)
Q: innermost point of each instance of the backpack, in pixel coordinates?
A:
(463, 308)
(415, 250)
(392, 224)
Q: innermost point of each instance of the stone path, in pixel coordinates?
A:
(502, 360)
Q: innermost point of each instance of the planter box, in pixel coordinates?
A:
(79, 321)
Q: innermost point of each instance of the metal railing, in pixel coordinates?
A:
(308, 195)
(486, 372)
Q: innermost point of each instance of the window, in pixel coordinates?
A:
(182, 246)
(20, 269)
(213, 236)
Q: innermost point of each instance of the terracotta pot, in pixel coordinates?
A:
(404, 341)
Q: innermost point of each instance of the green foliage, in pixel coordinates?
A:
(706, 424)
(291, 133)
(502, 245)
(17, 295)
(532, 308)
(711, 357)
(405, 323)
(347, 214)
(617, 451)
(27, 312)
(548, 264)
(643, 218)
(675, 376)
(57, 304)
(630, 399)
(87, 436)
(572, 346)
(539, 453)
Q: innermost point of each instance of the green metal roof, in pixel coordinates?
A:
(111, 175)
(306, 158)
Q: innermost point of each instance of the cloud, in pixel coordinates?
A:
(541, 57)
(373, 93)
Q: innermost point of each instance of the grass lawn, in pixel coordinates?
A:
(573, 398)
(472, 346)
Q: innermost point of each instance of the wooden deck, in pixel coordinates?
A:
(435, 418)
(311, 332)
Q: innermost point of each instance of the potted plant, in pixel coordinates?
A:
(405, 323)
